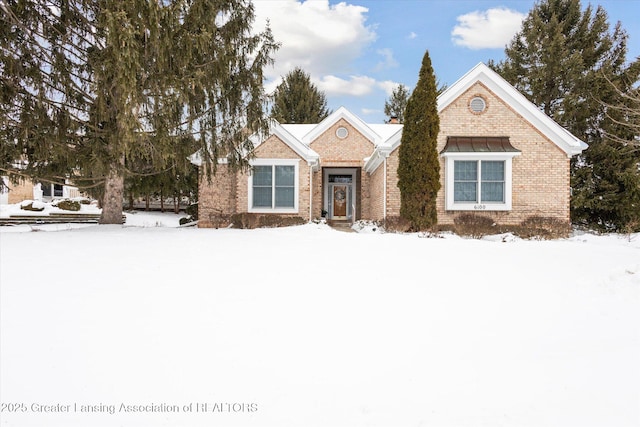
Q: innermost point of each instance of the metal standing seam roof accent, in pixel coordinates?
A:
(479, 144)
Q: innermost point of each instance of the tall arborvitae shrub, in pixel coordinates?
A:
(418, 168)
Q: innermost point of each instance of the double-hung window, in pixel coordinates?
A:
(479, 181)
(273, 186)
(478, 173)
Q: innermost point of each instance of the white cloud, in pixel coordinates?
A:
(388, 86)
(369, 111)
(492, 28)
(355, 86)
(319, 37)
(412, 35)
(388, 60)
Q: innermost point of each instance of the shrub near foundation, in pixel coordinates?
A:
(543, 228)
(534, 227)
(248, 220)
(474, 225)
(397, 224)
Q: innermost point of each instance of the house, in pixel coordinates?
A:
(499, 155)
(26, 190)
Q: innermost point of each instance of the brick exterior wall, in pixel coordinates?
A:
(348, 152)
(228, 193)
(20, 192)
(274, 148)
(393, 192)
(540, 179)
(344, 153)
(216, 198)
(376, 188)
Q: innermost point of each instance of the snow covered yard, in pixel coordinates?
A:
(307, 326)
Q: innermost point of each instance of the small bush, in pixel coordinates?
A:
(474, 225)
(32, 206)
(248, 220)
(186, 220)
(397, 224)
(543, 228)
(69, 205)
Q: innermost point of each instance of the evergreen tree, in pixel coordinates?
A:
(419, 168)
(626, 114)
(297, 100)
(397, 102)
(570, 64)
(93, 90)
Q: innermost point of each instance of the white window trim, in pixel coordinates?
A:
(274, 162)
(452, 205)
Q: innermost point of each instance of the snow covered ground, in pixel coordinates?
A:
(46, 209)
(148, 324)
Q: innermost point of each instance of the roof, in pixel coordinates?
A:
(478, 144)
(300, 136)
(387, 137)
(298, 130)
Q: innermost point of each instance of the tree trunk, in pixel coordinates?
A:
(176, 206)
(146, 202)
(161, 200)
(112, 199)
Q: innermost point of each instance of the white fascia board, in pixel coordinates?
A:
(566, 141)
(381, 152)
(394, 142)
(374, 161)
(300, 149)
(343, 113)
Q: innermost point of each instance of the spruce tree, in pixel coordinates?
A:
(93, 90)
(297, 100)
(419, 168)
(397, 102)
(570, 64)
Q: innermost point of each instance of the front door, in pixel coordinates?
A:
(339, 202)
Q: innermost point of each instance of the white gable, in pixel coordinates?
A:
(295, 144)
(512, 97)
(355, 121)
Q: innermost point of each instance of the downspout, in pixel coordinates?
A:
(384, 192)
(310, 191)
(312, 165)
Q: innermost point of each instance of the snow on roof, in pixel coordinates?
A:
(299, 130)
(385, 130)
(300, 136)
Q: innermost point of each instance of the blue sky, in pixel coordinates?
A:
(356, 51)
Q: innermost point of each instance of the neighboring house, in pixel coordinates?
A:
(27, 190)
(499, 155)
